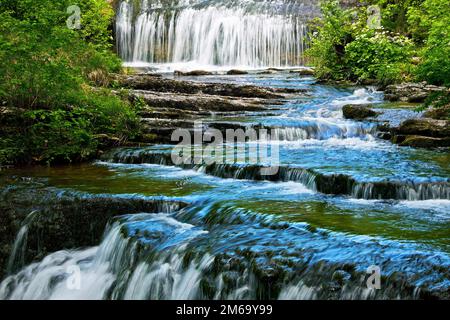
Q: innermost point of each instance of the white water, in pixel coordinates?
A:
(106, 267)
(17, 257)
(208, 36)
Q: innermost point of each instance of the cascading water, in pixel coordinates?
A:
(17, 257)
(341, 201)
(243, 34)
(182, 265)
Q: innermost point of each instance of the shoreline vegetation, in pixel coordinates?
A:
(65, 97)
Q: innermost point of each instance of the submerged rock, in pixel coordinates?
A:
(358, 111)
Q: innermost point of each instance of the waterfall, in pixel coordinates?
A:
(314, 180)
(156, 256)
(216, 34)
(17, 258)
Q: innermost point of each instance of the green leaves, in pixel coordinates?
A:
(343, 46)
(435, 66)
(46, 69)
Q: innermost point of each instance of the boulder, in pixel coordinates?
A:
(425, 127)
(236, 72)
(357, 111)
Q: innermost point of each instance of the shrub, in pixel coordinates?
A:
(47, 70)
(344, 48)
(379, 55)
(330, 35)
(435, 66)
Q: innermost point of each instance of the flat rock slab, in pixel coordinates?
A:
(425, 127)
(198, 102)
(156, 84)
(411, 92)
(425, 142)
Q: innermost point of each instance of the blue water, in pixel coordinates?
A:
(287, 224)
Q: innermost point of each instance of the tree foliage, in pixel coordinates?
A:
(343, 46)
(47, 71)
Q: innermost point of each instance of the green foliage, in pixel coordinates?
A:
(378, 55)
(331, 34)
(69, 134)
(395, 14)
(47, 69)
(43, 63)
(344, 48)
(440, 103)
(435, 66)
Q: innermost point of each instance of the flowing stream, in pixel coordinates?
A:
(341, 199)
(246, 236)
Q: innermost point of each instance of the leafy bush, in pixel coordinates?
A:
(378, 55)
(435, 67)
(344, 48)
(69, 134)
(330, 36)
(47, 70)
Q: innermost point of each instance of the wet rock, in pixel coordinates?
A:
(411, 92)
(341, 277)
(384, 135)
(398, 138)
(267, 72)
(236, 72)
(425, 127)
(193, 73)
(358, 111)
(334, 184)
(64, 220)
(425, 142)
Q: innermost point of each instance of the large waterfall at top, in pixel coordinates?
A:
(227, 33)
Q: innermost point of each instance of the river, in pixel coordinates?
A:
(292, 235)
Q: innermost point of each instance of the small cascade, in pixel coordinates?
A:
(335, 184)
(402, 191)
(156, 256)
(17, 257)
(323, 129)
(237, 33)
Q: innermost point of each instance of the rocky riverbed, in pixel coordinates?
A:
(341, 200)
(429, 129)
